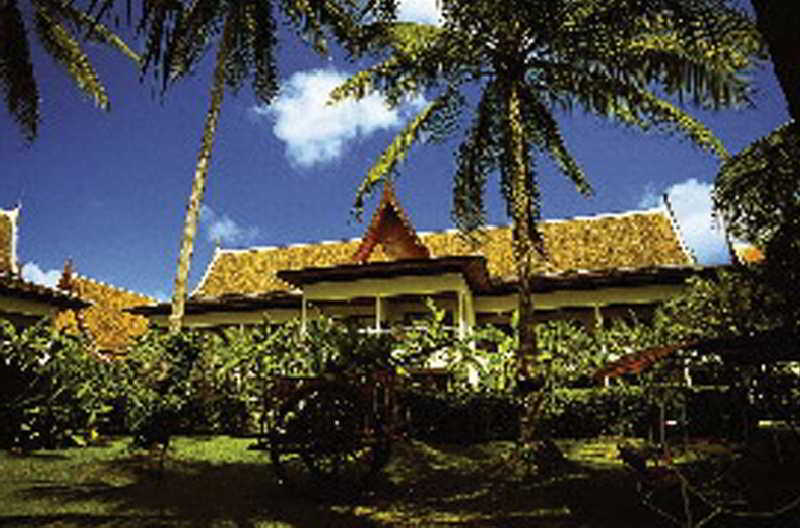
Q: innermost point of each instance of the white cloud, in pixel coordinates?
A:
(425, 11)
(225, 230)
(650, 198)
(692, 205)
(315, 132)
(31, 272)
(159, 295)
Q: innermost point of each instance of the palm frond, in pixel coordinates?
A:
(412, 38)
(477, 157)
(357, 25)
(193, 31)
(707, 69)
(606, 96)
(666, 114)
(542, 124)
(313, 17)
(395, 153)
(694, 19)
(99, 32)
(16, 70)
(156, 20)
(66, 51)
(390, 77)
(261, 25)
(415, 64)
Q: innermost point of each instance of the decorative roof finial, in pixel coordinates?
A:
(65, 282)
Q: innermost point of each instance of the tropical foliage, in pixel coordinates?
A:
(532, 60)
(732, 303)
(52, 389)
(60, 26)
(757, 194)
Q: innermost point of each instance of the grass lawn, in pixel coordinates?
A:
(216, 482)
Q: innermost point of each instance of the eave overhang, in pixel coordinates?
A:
(472, 268)
(12, 286)
(225, 303)
(615, 278)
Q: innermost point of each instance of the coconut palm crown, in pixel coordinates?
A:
(531, 60)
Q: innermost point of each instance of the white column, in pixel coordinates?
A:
(466, 312)
(469, 307)
(303, 314)
(598, 318)
(379, 309)
(462, 324)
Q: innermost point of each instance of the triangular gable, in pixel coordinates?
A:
(391, 227)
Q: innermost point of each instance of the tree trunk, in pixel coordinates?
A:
(524, 225)
(525, 242)
(198, 186)
(779, 22)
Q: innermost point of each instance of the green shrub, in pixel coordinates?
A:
(460, 417)
(586, 413)
(52, 389)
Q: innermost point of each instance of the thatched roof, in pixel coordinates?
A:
(604, 243)
(110, 328)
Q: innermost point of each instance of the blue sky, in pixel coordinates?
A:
(109, 189)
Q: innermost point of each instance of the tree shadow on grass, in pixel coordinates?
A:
(188, 493)
(451, 485)
(424, 485)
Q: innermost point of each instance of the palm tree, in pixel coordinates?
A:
(246, 36)
(531, 58)
(57, 25)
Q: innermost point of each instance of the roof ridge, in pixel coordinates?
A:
(666, 206)
(18, 278)
(207, 273)
(113, 287)
(599, 216)
(253, 249)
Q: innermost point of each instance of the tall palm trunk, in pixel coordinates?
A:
(522, 241)
(198, 186)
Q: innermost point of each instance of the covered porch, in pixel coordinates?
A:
(384, 294)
